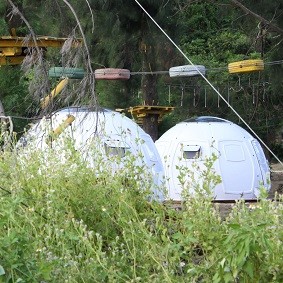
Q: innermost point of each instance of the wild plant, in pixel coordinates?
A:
(74, 216)
(252, 246)
(198, 222)
(62, 220)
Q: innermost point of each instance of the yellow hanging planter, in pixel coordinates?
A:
(246, 66)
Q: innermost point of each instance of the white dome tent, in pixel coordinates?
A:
(240, 163)
(112, 133)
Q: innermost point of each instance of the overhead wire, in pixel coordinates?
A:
(208, 82)
(271, 63)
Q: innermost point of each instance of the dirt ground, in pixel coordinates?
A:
(276, 171)
(276, 179)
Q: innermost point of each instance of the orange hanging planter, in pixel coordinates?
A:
(112, 74)
(246, 66)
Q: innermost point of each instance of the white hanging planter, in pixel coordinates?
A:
(187, 71)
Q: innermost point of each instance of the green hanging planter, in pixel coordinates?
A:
(71, 73)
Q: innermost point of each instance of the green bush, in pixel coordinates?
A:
(63, 221)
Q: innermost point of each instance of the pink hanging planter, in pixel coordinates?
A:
(112, 74)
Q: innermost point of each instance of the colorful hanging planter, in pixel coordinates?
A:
(71, 73)
(246, 66)
(112, 74)
(187, 71)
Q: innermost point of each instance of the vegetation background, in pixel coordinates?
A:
(119, 35)
(60, 222)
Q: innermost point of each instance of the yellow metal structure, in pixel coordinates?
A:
(41, 41)
(12, 48)
(10, 51)
(246, 66)
(141, 111)
(11, 60)
(56, 132)
(46, 100)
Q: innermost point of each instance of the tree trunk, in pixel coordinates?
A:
(267, 23)
(148, 87)
(2, 112)
(149, 92)
(150, 125)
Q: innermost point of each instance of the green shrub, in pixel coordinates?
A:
(64, 221)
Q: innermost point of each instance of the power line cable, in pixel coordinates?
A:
(271, 63)
(209, 83)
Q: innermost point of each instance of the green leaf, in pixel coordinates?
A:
(228, 277)
(249, 269)
(227, 269)
(234, 226)
(222, 262)
(2, 271)
(216, 278)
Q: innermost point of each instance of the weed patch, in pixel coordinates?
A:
(64, 221)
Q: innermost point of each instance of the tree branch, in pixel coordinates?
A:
(90, 74)
(260, 18)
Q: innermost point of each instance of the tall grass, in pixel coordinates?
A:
(62, 221)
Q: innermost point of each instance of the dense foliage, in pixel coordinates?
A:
(212, 33)
(62, 221)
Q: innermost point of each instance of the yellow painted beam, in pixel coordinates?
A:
(12, 47)
(70, 119)
(141, 111)
(46, 100)
(57, 132)
(10, 51)
(11, 60)
(150, 109)
(15, 41)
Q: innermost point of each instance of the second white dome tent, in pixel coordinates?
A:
(240, 163)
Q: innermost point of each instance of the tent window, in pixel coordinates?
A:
(115, 151)
(115, 148)
(191, 152)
